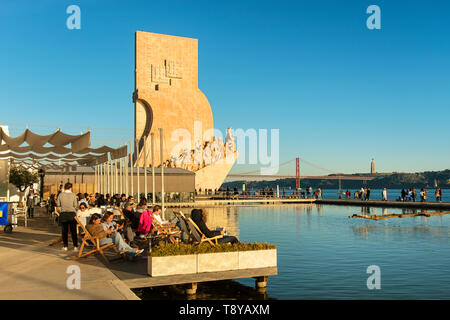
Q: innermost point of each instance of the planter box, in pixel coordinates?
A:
(170, 265)
(257, 259)
(221, 261)
(211, 262)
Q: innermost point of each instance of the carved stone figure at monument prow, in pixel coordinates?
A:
(167, 96)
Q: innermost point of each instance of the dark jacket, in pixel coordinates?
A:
(133, 217)
(196, 216)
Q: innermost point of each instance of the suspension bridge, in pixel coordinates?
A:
(332, 175)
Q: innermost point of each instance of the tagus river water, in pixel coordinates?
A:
(323, 254)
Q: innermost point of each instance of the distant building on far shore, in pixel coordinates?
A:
(372, 167)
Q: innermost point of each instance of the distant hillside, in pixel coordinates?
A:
(393, 180)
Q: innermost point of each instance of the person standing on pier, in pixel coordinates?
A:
(67, 202)
(30, 201)
(437, 194)
(414, 194)
(384, 194)
(368, 194)
(403, 194)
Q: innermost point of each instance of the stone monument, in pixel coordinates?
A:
(167, 96)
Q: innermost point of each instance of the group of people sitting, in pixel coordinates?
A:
(136, 221)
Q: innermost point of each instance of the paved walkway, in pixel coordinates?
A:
(31, 269)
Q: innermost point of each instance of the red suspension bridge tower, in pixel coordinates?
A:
(297, 173)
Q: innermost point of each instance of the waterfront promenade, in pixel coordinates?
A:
(30, 269)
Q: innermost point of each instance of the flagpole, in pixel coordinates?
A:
(131, 169)
(145, 168)
(137, 165)
(152, 141)
(162, 171)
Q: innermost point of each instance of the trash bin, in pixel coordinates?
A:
(4, 217)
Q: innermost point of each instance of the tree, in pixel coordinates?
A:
(22, 178)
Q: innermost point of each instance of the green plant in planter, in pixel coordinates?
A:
(186, 249)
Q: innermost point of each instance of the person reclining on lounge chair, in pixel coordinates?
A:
(199, 216)
(96, 229)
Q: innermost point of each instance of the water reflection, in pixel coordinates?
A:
(398, 230)
(333, 251)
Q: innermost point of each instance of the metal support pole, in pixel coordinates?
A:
(152, 141)
(162, 171)
(124, 176)
(100, 190)
(97, 183)
(137, 165)
(131, 169)
(111, 181)
(99, 178)
(145, 168)
(118, 176)
(121, 176)
(108, 184)
(125, 164)
(104, 178)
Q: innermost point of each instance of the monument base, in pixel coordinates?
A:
(212, 176)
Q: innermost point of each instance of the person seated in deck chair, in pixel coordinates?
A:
(83, 214)
(145, 219)
(108, 235)
(199, 216)
(132, 218)
(156, 214)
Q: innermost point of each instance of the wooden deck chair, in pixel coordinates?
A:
(184, 225)
(199, 236)
(165, 231)
(95, 242)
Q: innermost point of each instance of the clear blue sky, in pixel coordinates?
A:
(339, 93)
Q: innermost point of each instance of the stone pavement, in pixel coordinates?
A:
(30, 269)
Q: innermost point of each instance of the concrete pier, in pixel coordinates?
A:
(387, 204)
(30, 269)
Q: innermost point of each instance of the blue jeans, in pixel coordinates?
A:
(119, 242)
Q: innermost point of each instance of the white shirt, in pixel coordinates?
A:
(82, 216)
(158, 218)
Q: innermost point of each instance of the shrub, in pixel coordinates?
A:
(186, 249)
